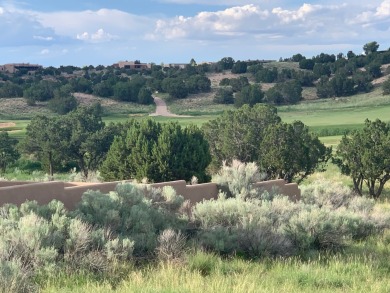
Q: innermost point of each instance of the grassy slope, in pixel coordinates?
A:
(363, 268)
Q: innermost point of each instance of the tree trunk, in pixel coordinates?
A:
(357, 184)
(51, 171)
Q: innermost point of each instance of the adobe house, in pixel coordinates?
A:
(132, 65)
(13, 67)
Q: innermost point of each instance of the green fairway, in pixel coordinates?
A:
(183, 121)
(343, 116)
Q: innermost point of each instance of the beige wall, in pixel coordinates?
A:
(43, 193)
(13, 183)
(18, 192)
(280, 186)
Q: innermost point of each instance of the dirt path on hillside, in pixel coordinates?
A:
(7, 124)
(162, 109)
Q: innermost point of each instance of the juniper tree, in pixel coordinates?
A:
(364, 156)
(8, 151)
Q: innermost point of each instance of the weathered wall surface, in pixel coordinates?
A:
(43, 193)
(18, 192)
(13, 183)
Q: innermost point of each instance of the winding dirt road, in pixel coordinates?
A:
(162, 109)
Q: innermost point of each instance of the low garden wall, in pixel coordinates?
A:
(18, 192)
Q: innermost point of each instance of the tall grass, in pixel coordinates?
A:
(364, 268)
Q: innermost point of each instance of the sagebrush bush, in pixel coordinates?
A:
(15, 277)
(237, 179)
(240, 226)
(133, 211)
(328, 217)
(325, 193)
(170, 245)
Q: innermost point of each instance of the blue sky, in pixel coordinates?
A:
(163, 31)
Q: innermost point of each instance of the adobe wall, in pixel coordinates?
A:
(73, 194)
(42, 192)
(13, 183)
(17, 192)
(179, 186)
(279, 186)
(198, 192)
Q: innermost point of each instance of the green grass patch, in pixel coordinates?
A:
(363, 268)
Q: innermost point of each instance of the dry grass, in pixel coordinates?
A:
(18, 108)
(309, 93)
(114, 107)
(197, 104)
(216, 78)
(7, 124)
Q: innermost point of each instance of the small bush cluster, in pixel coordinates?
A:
(328, 217)
(135, 212)
(236, 179)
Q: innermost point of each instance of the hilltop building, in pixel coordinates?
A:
(137, 65)
(13, 67)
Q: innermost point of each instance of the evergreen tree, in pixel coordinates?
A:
(8, 152)
(159, 152)
(364, 156)
(289, 151)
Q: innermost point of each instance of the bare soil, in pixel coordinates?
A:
(7, 124)
(216, 78)
(162, 109)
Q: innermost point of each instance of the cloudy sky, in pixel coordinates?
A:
(84, 32)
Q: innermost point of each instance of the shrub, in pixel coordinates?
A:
(321, 228)
(15, 278)
(240, 226)
(328, 217)
(324, 193)
(237, 179)
(170, 245)
(224, 96)
(134, 212)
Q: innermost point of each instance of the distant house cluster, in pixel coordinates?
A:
(137, 65)
(13, 67)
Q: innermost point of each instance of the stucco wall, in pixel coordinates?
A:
(17, 192)
(13, 183)
(43, 193)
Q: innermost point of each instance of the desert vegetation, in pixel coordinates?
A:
(118, 241)
(335, 239)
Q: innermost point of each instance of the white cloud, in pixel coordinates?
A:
(99, 36)
(70, 23)
(250, 21)
(373, 16)
(287, 16)
(43, 38)
(384, 9)
(232, 21)
(45, 51)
